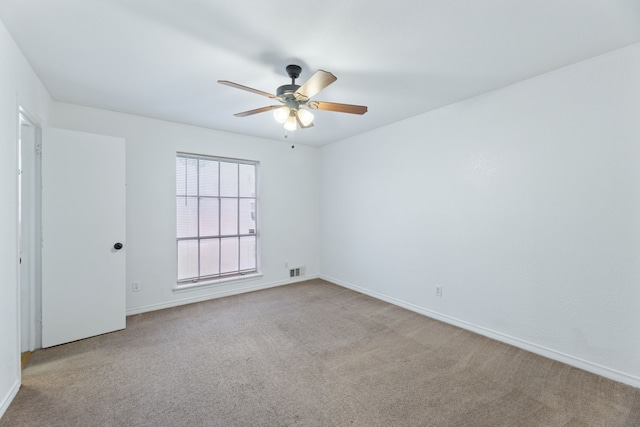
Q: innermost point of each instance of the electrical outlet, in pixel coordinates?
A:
(438, 291)
(135, 286)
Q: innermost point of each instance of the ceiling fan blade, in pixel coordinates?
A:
(257, 110)
(247, 88)
(318, 81)
(340, 108)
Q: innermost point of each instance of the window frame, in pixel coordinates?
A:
(220, 277)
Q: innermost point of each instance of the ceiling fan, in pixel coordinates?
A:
(294, 97)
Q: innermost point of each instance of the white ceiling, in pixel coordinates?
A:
(162, 58)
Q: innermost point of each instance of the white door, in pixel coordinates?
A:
(83, 220)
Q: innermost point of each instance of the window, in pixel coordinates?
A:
(217, 234)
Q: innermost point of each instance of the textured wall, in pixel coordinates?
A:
(19, 86)
(522, 203)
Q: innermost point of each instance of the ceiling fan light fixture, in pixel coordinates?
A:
(290, 123)
(305, 117)
(281, 114)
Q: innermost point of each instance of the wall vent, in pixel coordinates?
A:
(295, 272)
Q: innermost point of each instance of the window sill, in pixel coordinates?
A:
(217, 282)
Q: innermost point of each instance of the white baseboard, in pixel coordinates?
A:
(6, 401)
(498, 336)
(216, 294)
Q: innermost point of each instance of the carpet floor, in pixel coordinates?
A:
(307, 354)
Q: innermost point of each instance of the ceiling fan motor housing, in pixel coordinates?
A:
(287, 91)
(286, 95)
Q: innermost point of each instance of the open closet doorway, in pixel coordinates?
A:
(29, 229)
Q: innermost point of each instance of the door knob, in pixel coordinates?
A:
(117, 246)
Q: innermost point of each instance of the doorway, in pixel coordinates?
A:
(29, 231)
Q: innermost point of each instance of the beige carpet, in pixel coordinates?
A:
(309, 354)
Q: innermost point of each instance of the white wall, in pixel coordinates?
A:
(523, 203)
(289, 201)
(18, 86)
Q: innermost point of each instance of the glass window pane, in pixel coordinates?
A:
(229, 255)
(208, 177)
(248, 253)
(209, 257)
(228, 179)
(187, 216)
(208, 216)
(228, 217)
(187, 259)
(247, 216)
(215, 197)
(247, 176)
(186, 176)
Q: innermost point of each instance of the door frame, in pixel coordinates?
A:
(29, 232)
